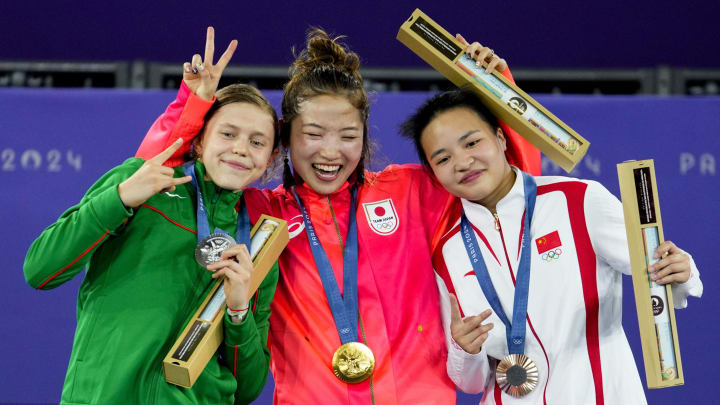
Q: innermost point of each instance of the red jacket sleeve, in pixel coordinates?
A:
(520, 152)
(183, 118)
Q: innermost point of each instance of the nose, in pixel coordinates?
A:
(464, 163)
(330, 149)
(240, 146)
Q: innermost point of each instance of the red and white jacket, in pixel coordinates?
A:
(574, 323)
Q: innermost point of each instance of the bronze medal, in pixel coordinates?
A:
(353, 362)
(517, 375)
(210, 249)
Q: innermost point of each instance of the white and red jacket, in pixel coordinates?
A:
(574, 323)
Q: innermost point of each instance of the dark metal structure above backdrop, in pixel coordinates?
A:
(139, 74)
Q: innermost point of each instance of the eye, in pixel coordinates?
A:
(472, 143)
(312, 135)
(350, 137)
(442, 160)
(257, 142)
(226, 134)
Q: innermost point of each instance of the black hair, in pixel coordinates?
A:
(414, 126)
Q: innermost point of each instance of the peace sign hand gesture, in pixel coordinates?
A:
(469, 332)
(151, 178)
(201, 76)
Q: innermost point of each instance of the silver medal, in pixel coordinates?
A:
(210, 249)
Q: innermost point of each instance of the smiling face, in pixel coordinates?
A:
(326, 142)
(467, 157)
(237, 145)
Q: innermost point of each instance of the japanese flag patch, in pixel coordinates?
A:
(382, 216)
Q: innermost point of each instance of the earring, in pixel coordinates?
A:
(288, 179)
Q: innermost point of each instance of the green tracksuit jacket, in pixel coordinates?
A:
(141, 287)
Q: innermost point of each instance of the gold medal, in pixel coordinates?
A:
(353, 362)
(517, 375)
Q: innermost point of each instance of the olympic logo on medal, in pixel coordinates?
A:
(552, 255)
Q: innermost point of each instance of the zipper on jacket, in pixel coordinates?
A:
(337, 228)
(362, 328)
(497, 222)
(527, 316)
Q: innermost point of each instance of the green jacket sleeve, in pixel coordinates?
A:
(65, 247)
(245, 348)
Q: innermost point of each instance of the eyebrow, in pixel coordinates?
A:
(228, 125)
(462, 138)
(352, 128)
(225, 125)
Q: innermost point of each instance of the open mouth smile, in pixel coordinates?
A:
(326, 172)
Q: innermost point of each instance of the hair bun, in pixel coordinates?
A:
(323, 51)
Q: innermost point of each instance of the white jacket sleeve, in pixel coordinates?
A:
(606, 225)
(469, 372)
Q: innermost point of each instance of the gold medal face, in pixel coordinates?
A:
(353, 362)
(517, 375)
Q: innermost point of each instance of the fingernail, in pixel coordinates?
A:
(653, 277)
(187, 69)
(194, 70)
(201, 67)
(651, 269)
(477, 63)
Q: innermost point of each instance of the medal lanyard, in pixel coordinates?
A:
(242, 234)
(344, 307)
(515, 332)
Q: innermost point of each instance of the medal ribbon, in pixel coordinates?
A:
(514, 332)
(344, 307)
(242, 234)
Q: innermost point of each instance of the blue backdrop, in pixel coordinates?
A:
(56, 143)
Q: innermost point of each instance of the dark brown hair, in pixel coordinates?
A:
(324, 67)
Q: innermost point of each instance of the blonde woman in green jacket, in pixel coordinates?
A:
(135, 232)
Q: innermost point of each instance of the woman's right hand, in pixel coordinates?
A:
(151, 178)
(201, 76)
(470, 332)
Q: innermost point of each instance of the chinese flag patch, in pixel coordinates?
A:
(547, 242)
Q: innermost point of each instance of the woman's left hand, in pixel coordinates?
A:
(483, 54)
(202, 76)
(673, 268)
(236, 266)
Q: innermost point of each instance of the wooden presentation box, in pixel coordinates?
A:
(654, 302)
(204, 333)
(508, 102)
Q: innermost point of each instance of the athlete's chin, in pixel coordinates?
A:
(470, 193)
(326, 187)
(236, 183)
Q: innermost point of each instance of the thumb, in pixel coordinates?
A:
(454, 310)
(461, 39)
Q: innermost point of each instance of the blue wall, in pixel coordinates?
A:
(56, 143)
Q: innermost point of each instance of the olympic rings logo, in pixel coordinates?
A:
(552, 255)
(385, 225)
